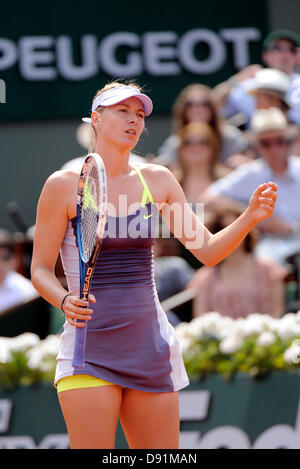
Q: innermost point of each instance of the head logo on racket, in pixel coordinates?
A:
(90, 221)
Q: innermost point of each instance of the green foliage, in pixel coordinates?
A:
(16, 371)
(26, 360)
(204, 357)
(255, 345)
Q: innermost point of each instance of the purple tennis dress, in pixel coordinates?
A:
(129, 339)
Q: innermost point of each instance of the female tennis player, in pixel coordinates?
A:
(133, 365)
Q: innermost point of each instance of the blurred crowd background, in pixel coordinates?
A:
(222, 130)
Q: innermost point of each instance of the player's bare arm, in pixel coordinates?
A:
(59, 192)
(189, 229)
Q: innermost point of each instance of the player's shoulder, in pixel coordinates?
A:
(63, 176)
(152, 170)
(61, 181)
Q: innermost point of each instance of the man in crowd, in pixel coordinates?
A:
(14, 288)
(281, 232)
(280, 52)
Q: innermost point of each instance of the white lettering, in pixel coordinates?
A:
(17, 442)
(113, 459)
(5, 413)
(158, 56)
(31, 58)
(193, 230)
(58, 441)
(194, 405)
(158, 53)
(66, 67)
(107, 51)
(225, 437)
(220, 437)
(186, 51)
(240, 38)
(280, 436)
(276, 437)
(189, 439)
(2, 92)
(133, 229)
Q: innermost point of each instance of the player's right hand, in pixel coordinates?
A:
(77, 311)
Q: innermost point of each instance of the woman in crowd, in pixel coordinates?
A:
(241, 284)
(198, 159)
(195, 104)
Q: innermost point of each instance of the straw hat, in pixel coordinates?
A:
(272, 81)
(266, 120)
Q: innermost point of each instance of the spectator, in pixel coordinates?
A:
(241, 284)
(270, 88)
(280, 53)
(281, 233)
(195, 104)
(172, 273)
(198, 158)
(14, 288)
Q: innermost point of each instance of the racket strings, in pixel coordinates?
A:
(89, 223)
(90, 211)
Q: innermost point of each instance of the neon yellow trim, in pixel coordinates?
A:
(80, 381)
(88, 198)
(146, 194)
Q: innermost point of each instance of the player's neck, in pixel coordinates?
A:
(116, 160)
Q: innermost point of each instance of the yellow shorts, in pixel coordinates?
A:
(80, 381)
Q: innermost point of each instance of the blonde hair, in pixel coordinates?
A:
(100, 109)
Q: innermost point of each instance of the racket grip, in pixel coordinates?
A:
(79, 346)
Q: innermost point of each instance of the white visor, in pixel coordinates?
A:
(116, 95)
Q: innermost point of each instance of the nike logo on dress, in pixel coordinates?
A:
(148, 216)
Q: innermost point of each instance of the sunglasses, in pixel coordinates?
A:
(271, 142)
(291, 49)
(197, 103)
(191, 142)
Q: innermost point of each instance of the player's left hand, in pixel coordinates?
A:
(262, 201)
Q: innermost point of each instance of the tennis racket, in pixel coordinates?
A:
(91, 219)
